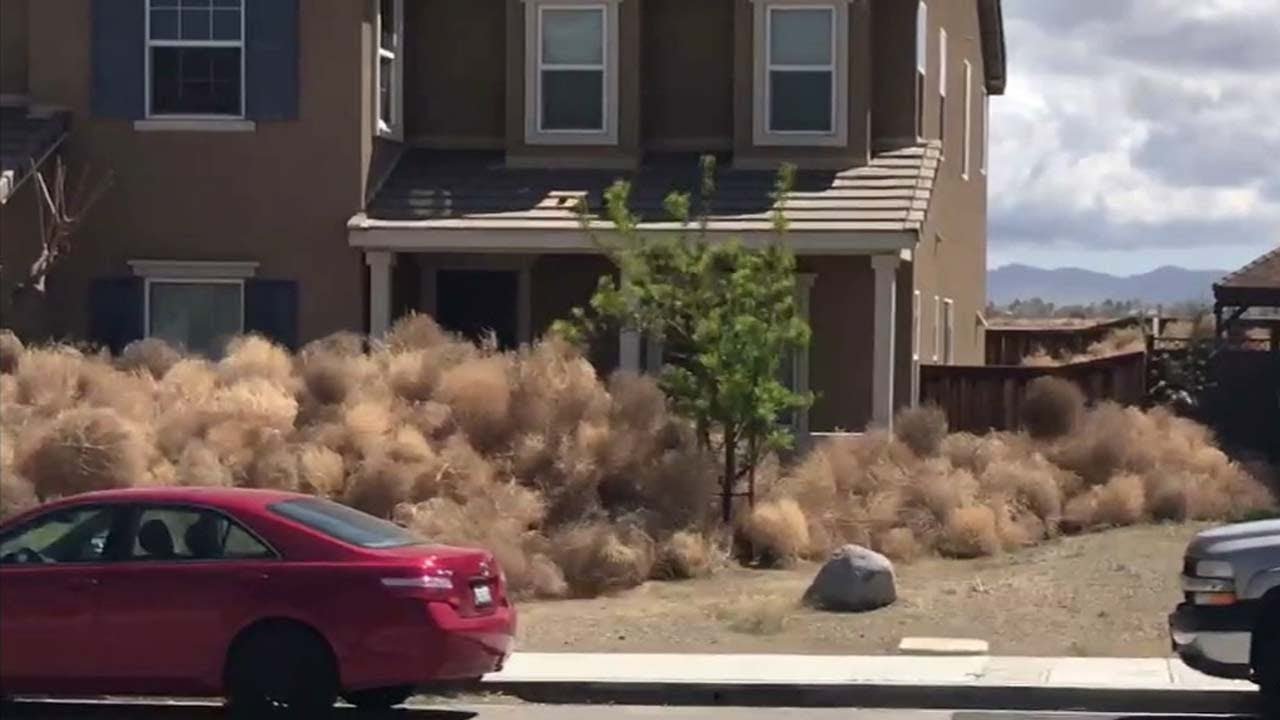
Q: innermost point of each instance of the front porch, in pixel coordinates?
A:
(487, 247)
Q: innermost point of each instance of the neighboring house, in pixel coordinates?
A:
(296, 168)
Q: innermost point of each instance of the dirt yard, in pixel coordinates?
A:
(1104, 594)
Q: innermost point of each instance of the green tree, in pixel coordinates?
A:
(724, 313)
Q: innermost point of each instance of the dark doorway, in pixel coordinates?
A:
(475, 302)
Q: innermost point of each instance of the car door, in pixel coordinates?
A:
(170, 606)
(50, 570)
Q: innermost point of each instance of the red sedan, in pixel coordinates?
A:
(268, 598)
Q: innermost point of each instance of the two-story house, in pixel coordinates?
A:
(296, 168)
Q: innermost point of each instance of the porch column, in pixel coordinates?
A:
(629, 350)
(883, 355)
(379, 262)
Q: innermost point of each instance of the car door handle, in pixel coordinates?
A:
(83, 582)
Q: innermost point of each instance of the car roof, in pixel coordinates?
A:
(220, 497)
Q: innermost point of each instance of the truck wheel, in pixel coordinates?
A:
(1266, 663)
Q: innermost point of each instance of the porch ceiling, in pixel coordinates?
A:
(473, 201)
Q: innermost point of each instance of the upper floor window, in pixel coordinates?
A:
(922, 64)
(389, 95)
(801, 77)
(942, 89)
(195, 58)
(571, 78)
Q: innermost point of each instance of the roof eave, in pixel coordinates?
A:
(994, 51)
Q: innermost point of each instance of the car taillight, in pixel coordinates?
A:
(423, 582)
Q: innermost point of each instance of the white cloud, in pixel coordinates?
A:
(1146, 128)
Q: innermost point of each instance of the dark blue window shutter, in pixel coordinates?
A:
(271, 59)
(271, 310)
(115, 311)
(118, 38)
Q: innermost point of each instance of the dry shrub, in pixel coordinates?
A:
(11, 349)
(683, 556)
(16, 494)
(597, 558)
(379, 484)
(777, 531)
(1102, 446)
(415, 331)
(480, 394)
(970, 532)
(320, 471)
(48, 378)
(758, 615)
(151, 354)
(254, 357)
(899, 545)
(1121, 502)
(82, 450)
(922, 429)
(329, 378)
(1052, 407)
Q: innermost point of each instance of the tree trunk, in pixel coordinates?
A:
(730, 475)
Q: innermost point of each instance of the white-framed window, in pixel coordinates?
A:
(922, 63)
(193, 304)
(967, 152)
(948, 332)
(801, 88)
(571, 88)
(199, 314)
(942, 89)
(195, 58)
(984, 147)
(937, 328)
(388, 99)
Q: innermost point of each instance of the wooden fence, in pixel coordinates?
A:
(989, 397)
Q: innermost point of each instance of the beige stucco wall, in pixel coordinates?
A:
(951, 259)
(455, 73)
(280, 195)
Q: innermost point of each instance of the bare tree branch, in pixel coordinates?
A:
(60, 217)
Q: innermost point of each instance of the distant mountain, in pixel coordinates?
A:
(1072, 286)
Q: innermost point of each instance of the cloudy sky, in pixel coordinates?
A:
(1137, 133)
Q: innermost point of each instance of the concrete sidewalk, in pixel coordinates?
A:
(1020, 683)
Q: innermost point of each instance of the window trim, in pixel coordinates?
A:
(937, 327)
(764, 136)
(942, 91)
(135, 511)
(394, 130)
(917, 321)
(150, 282)
(985, 145)
(948, 331)
(534, 132)
(148, 44)
(966, 154)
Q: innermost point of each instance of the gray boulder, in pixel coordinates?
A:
(855, 579)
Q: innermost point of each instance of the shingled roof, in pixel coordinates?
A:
(469, 191)
(1257, 283)
(27, 137)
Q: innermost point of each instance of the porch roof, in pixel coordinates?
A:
(28, 135)
(1255, 284)
(439, 192)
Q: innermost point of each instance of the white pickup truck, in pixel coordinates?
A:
(1229, 624)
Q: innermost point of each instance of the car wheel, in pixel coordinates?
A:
(282, 667)
(380, 698)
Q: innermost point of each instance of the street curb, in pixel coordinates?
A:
(893, 696)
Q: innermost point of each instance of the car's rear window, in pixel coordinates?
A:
(346, 524)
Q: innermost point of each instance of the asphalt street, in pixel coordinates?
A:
(495, 711)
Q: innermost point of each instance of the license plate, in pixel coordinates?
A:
(483, 594)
